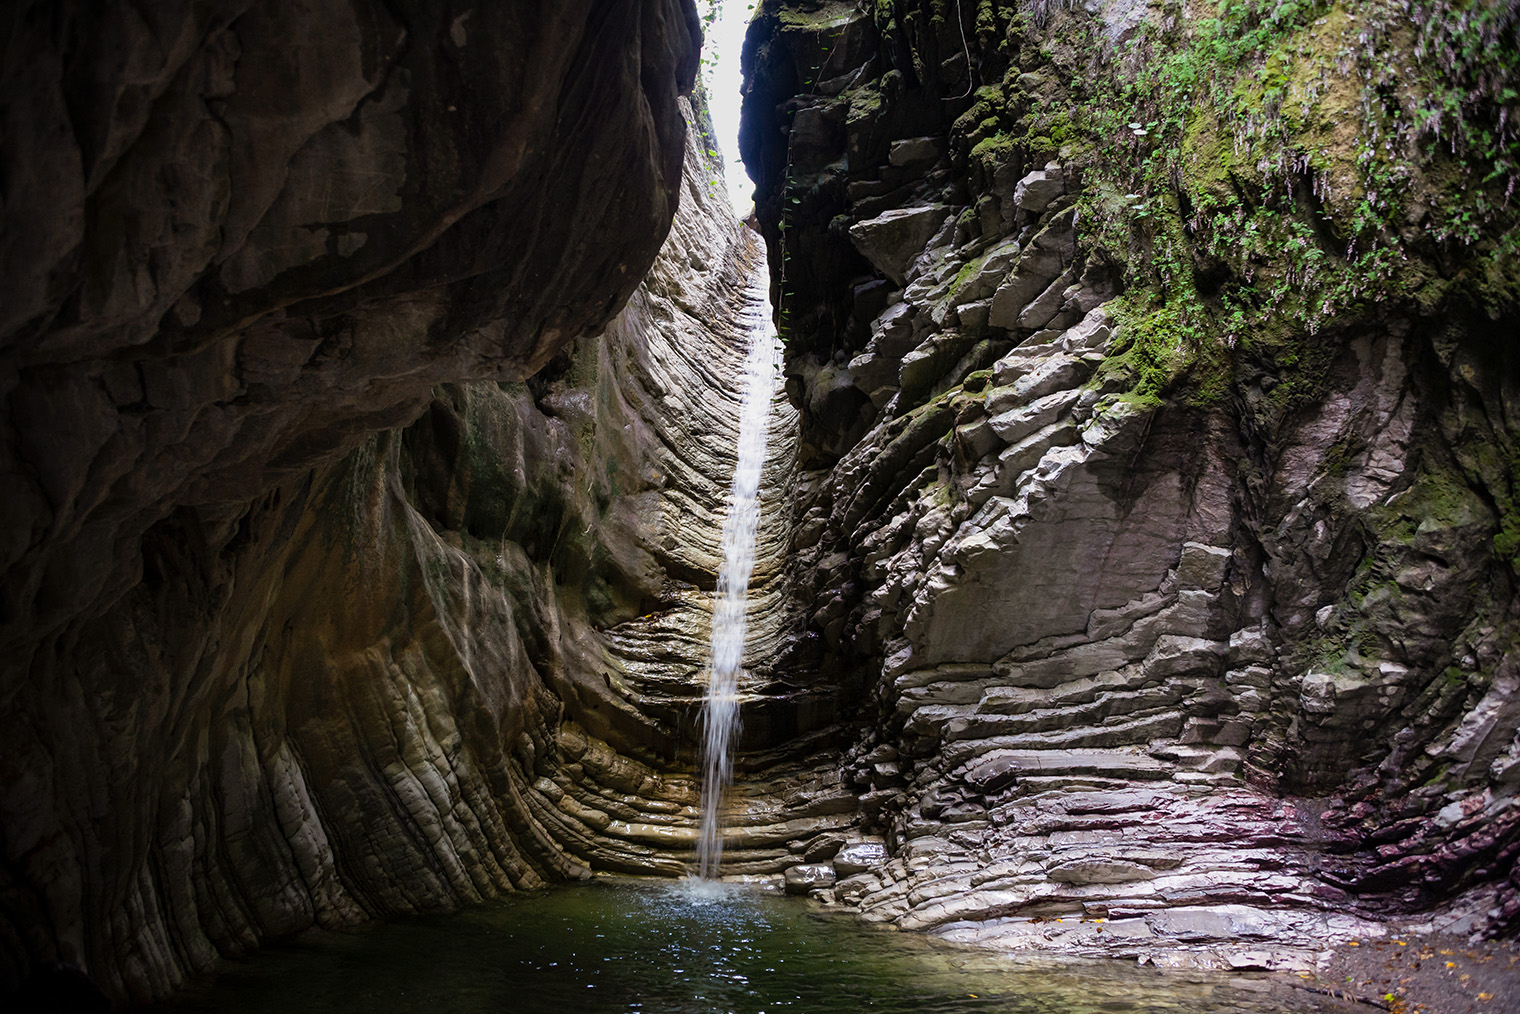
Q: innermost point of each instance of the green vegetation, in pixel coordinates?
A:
(1503, 481)
(1261, 170)
(1435, 501)
(702, 114)
(1278, 165)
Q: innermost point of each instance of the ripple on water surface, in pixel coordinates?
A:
(692, 948)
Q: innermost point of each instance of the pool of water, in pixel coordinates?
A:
(671, 948)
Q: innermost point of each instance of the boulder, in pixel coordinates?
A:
(915, 151)
(891, 240)
(860, 856)
(807, 877)
(1035, 191)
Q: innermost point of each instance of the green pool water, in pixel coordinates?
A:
(671, 948)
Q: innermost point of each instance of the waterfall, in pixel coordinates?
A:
(720, 710)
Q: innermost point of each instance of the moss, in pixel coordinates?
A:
(712, 150)
(864, 102)
(994, 151)
(1209, 163)
(1058, 128)
(1164, 349)
(1272, 162)
(1435, 500)
(1496, 276)
(987, 21)
(967, 272)
(827, 16)
(977, 381)
(1503, 482)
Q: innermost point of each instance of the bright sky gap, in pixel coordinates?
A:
(720, 73)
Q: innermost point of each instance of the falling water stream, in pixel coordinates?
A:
(625, 946)
(720, 709)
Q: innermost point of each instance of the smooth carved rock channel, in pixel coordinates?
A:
(372, 381)
(464, 660)
(721, 720)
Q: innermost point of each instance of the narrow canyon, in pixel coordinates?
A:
(1138, 548)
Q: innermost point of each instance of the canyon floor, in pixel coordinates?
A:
(1437, 973)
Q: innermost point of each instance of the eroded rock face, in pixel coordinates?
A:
(250, 683)
(1237, 680)
(240, 237)
(465, 659)
(1210, 671)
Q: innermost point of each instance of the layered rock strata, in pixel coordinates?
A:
(466, 659)
(1232, 672)
(267, 668)
(239, 238)
(1189, 677)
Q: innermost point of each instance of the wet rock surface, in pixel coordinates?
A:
(807, 877)
(859, 857)
(367, 484)
(1418, 971)
(1203, 683)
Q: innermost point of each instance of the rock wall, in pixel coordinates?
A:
(1136, 550)
(464, 659)
(1162, 535)
(264, 667)
(230, 257)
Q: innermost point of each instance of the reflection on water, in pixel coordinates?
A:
(693, 948)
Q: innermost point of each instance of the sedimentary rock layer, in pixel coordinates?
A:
(241, 237)
(1232, 671)
(249, 683)
(465, 659)
(1208, 635)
